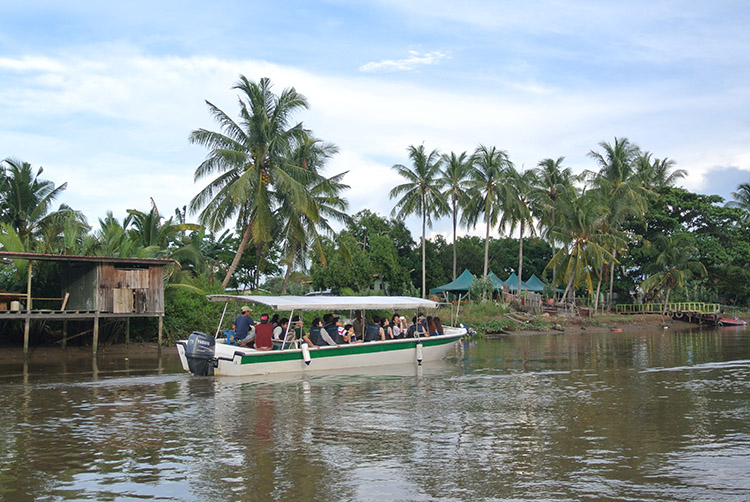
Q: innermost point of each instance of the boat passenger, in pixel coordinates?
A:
(421, 324)
(430, 327)
(282, 338)
(411, 331)
(350, 335)
(374, 332)
(264, 334)
(299, 331)
(396, 328)
(438, 326)
(318, 336)
(329, 325)
(275, 320)
(387, 331)
(243, 327)
(359, 325)
(341, 335)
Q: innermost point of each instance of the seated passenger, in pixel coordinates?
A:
(396, 328)
(374, 332)
(264, 334)
(318, 336)
(438, 326)
(329, 325)
(243, 327)
(387, 331)
(282, 335)
(340, 335)
(430, 327)
(411, 331)
(350, 336)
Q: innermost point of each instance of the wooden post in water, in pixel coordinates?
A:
(161, 328)
(27, 321)
(95, 342)
(65, 335)
(127, 331)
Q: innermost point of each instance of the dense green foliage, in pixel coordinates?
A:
(621, 232)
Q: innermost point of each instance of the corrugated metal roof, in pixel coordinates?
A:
(85, 259)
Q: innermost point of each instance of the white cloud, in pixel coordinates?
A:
(414, 60)
(114, 123)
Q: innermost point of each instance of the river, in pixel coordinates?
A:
(593, 416)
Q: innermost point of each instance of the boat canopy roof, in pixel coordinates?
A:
(284, 303)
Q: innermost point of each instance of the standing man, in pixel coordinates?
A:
(243, 327)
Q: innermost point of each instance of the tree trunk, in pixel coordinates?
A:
(567, 288)
(598, 288)
(520, 260)
(611, 279)
(486, 250)
(237, 256)
(288, 272)
(454, 239)
(424, 256)
(666, 301)
(554, 265)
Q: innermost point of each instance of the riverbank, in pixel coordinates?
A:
(613, 323)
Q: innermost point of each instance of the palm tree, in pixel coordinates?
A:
(487, 191)
(26, 200)
(420, 194)
(657, 173)
(742, 199)
(584, 250)
(455, 179)
(517, 208)
(250, 159)
(301, 233)
(618, 183)
(552, 180)
(675, 263)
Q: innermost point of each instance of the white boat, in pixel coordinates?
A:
(203, 354)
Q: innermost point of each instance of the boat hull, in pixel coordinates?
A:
(234, 361)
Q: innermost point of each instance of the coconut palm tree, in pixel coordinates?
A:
(552, 180)
(675, 264)
(420, 194)
(250, 159)
(617, 182)
(26, 201)
(517, 207)
(657, 173)
(584, 244)
(455, 180)
(487, 191)
(742, 199)
(300, 233)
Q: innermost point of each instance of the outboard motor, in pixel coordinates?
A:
(200, 353)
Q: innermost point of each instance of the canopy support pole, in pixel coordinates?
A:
(221, 320)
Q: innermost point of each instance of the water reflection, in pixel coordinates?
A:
(646, 416)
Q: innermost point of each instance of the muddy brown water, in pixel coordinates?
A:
(654, 415)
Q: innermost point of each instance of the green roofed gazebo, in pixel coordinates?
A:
(462, 284)
(496, 281)
(534, 284)
(512, 283)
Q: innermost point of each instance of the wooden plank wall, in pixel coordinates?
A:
(137, 290)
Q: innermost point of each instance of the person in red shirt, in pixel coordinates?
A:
(264, 334)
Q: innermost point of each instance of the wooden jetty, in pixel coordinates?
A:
(92, 288)
(695, 312)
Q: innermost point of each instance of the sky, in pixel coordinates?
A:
(103, 95)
